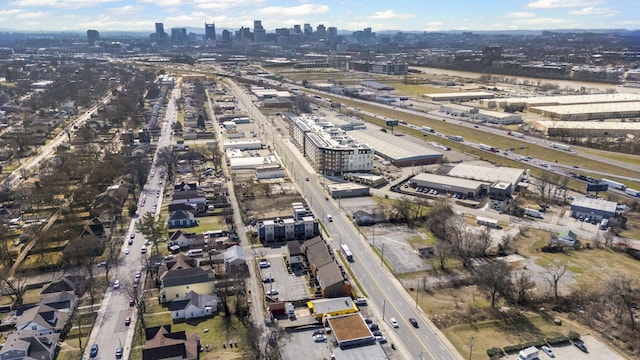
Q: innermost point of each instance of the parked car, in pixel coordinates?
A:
(381, 339)
(264, 264)
(273, 292)
(547, 351)
(127, 321)
(376, 333)
(94, 351)
(413, 322)
(319, 338)
(580, 345)
(373, 326)
(394, 323)
(132, 236)
(119, 352)
(360, 301)
(318, 332)
(267, 279)
(116, 284)
(127, 251)
(131, 302)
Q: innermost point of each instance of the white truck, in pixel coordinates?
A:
(516, 134)
(492, 223)
(561, 146)
(613, 184)
(533, 213)
(632, 192)
(529, 353)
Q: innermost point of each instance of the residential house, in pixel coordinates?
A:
(30, 344)
(568, 238)
(181, 219)
(194, 305)
(64, 300)
(295, 253)
(184, 239)
(161, 343)
(332, 280)
(235, 260)
(94, 229)
(184, 186)
(42, 318)
(180, 276)
(191, 197)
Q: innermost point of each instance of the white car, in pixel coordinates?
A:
(116, 284)
(273, 292)
(127, 251)
(264, 264)
(548, 351)
(319, 338)
(394, 323)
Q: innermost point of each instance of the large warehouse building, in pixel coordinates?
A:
(488, 174)
(588, 128)
(459, 96)
(596, 111)
(449, 185)
(560, 100)
(481, 115)
(598, 208)
(397, 150)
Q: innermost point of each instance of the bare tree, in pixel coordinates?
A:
(483, 242)
(554, 275)
(494, 279)
(521, 284)
(625, 292)
(152, 228)
(15, 287)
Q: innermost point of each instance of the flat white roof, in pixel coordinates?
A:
(393, 146)
(606, 108)
(592, 203)
(487, 173)
(460, 95)
(571, 99)
(441, 179)
(594, 125)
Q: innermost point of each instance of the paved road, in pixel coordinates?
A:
(109, 331)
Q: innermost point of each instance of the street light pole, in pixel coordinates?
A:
(384, 305)
(471, 348)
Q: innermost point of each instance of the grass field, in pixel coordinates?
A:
(417, 90)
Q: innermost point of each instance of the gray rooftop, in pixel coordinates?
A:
(441, 179)
(598, 204)
(396, 147)
(489, 174)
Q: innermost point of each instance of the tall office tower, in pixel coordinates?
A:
(297, 29)
(308, 31)
(209, 31)
(178, 35)
(332, 34)
(367, 33)
(93, 36)
(259, 33)
(321, 32)
(159, 29)
(226, 36)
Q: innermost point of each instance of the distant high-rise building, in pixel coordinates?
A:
(297, 29)
(321, 32)
(209, 31)
(226, 36)
(259, 33)
(179, 35)
(308, 30)
(332, 34)
(93, 36)
(159, 35)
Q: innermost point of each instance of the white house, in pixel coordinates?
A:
(42, 318)
(194, 305)
(235, 259)
(184, 239)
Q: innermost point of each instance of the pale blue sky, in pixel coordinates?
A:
(429, 15)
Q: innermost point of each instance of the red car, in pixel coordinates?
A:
(127, 321)
(131, 303)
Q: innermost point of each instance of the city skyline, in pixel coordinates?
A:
(141, 15)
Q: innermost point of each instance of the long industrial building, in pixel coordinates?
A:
(397, 150)
(595, 111)
(559, 100)
(588, 128)
(492, 174)
(481, 115)
(448, 184)
(459, 96)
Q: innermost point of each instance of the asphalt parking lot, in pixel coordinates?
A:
(300, 345)
(290, 287)
(597, 350)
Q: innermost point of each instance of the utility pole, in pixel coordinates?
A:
(384, 304)
(471, 348)
(417, 292)
(382, 255)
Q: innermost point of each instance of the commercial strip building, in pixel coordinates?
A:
(344, 190)
(459, 96)
(481, 115)
(588, 128)
(328, 148)
(598, 208)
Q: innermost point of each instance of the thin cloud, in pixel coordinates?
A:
(127, 9)
(595, 11)
(304, 9)
(552, 4)
(389, 14)
(520, 15)
(60, 4)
